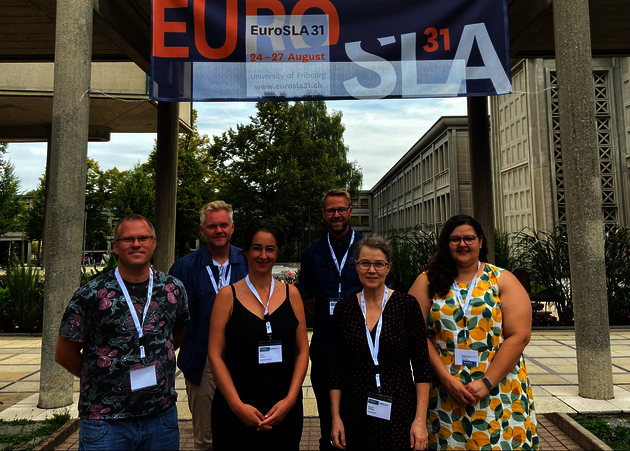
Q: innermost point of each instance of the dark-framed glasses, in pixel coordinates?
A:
(469, 240)
(332, 211)
(129, 240)
(378, 265)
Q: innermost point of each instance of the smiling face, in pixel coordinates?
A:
(463, 254)
(134, 255)
(371, 278)
(337, 222)
(262, 253)
(217, 229)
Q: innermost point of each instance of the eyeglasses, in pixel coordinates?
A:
(129, 240)
(455, 240)
(365, 265)
(332, 211)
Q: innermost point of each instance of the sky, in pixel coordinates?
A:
(378, 133)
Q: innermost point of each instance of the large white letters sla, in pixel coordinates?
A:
(456, 69)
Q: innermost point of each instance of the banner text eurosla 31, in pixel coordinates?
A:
(253, 50)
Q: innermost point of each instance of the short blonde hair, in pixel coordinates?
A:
(215, 206)
(337, 192)
(130, 218)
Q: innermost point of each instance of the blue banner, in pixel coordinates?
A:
(253, 50)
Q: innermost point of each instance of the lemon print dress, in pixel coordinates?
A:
(504, 420)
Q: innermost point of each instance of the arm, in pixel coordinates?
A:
(338, 433)
(68, 354)
(282, 407)
(517, 329)
(419, 434)
(457, 390)
(221, 314)
(178, 337)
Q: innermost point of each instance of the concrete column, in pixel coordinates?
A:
(481, 168)
(65, 200)
(166, 184)
(580, 164)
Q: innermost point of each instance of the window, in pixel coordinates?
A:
(364, 202)
(365, 220)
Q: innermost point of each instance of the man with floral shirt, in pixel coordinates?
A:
(119, 335)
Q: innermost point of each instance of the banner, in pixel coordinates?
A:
(253, 50)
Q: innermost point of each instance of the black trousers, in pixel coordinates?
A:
(320, 363)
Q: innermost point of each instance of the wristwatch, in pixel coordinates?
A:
(487, 382)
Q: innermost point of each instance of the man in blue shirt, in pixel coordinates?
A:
(327, 275)
(204, 273)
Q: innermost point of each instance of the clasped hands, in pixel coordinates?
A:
(467, 393)
(250, 416)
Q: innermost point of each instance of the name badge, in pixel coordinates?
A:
(333, 302)
(379, 406)
(143, 377)
(466, 357)
(269, 352)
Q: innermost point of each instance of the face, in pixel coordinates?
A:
(337, 223)
(371, 277)
(263, 252)
(217, 229)
(465, 254)
(134, 254)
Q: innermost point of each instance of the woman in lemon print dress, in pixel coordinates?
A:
(480, 394)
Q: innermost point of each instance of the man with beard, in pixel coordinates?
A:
(327, 275)
(204, 273)
(119, 335)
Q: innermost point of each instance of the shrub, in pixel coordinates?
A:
(412, 250)
(617, 251)
(23, 293)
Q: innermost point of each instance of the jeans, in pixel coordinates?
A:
(320, 363)
(158, 432)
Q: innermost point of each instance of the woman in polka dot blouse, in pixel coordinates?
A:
(377, 337)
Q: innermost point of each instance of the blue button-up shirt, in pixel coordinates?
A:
(319, 279)
(191, 270)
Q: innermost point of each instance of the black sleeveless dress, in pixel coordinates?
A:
(261, 386)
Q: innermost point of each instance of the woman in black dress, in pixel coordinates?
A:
(376, 403)
(258, 353)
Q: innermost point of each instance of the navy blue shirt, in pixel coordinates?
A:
(191, 270)
(319, 279)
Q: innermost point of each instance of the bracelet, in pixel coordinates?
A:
(487, 383)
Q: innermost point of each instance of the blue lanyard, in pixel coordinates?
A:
(343, 262)
(458, 296)
(374, 347)
(132, 310)
(222, 281)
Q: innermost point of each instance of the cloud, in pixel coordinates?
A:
(378, 133)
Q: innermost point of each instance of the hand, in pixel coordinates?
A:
(338, 433)
(249, 415)
(276, 414)
(419, 435)
(477, 389)
(458, 392)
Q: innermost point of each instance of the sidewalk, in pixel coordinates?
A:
(550, 358)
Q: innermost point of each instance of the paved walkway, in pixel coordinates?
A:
(550, 356)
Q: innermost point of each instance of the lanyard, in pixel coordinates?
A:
(343, 262)
(222, 281)
(132, 310)
(458, 296)
(374, 346)
(255, 293)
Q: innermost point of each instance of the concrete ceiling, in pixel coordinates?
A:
(122, 33)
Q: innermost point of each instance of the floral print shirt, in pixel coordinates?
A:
(99, 317)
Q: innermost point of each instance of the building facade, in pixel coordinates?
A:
(430, 183)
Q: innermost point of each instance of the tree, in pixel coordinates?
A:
(286, 159)
(97, 196)
(195, 184)
(34, 217)
(134, 192)
(10, 206)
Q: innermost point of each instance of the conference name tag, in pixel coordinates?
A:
(269, 352)
(143, 377)
(466, 357)
(333, 302)
(379, 406)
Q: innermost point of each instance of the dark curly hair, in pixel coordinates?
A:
(441, 271)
